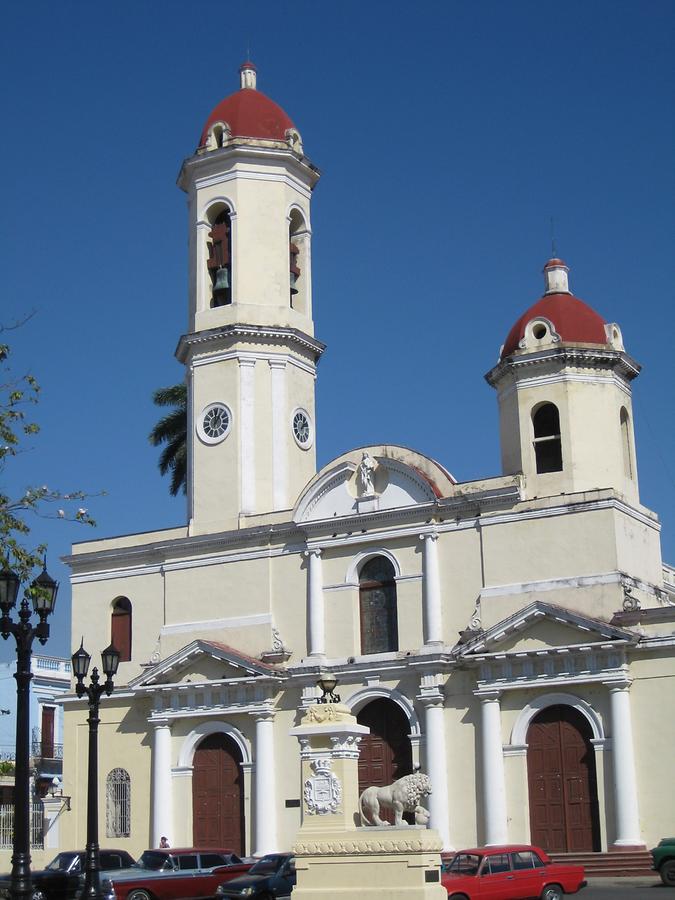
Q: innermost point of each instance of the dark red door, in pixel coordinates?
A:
(385, 754)
(562, 782)
(47, 733)
(217, 795)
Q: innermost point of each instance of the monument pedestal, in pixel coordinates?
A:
(336, 856)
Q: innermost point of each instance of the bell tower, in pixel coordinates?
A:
(250, 351)
(563, 384)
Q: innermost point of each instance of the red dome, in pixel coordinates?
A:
(250, 113)
(572, 319)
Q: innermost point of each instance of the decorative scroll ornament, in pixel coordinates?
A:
(630, 603)
(322, 792)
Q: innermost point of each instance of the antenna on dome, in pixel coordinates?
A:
(553, 248)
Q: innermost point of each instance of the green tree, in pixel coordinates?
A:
(17, 394)
(171, 430)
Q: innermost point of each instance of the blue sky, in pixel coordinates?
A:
(448, 135)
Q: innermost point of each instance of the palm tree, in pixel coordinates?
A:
(172, 431)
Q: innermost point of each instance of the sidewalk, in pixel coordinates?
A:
(626, 881)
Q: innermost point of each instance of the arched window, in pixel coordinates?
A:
(297, 260)
(547, 442)
(625, 443)
(220, 259)
(120, 628)
(377, 601)
(118, 804)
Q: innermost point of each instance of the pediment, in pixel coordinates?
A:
(543, 626)
(206, 661)
(372, 479)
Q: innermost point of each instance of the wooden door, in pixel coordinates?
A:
(385, 754)
(562, 782)
(217, 795)
(47, 733)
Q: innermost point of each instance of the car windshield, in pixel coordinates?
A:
(151, 859)
(63, 862)
(268, 865)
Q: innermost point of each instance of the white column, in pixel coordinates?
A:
(247, 433)
(316, 609)
(162, 795)
(494, 785)
(265, 797)
(281, 429)
(437, 768)
(625, 784)
(431, 590)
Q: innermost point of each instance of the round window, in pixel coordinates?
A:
(302, 430)
(214, 423)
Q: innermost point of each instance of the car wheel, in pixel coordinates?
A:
(138, 895)
(458, 897)
(38, 895)
(667, 873)
(552, 892)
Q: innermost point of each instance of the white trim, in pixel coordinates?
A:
(226, 355)
(247, 423)
(242, 175)
(378, 692)
(550, 584)
(362, 557)
(191, 741)
(519, 732)
(202, 218)
(278, 390)
(215, 624)
(547, 380)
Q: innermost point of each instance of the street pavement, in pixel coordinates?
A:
(644, 888)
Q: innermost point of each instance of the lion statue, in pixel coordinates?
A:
(402, 796)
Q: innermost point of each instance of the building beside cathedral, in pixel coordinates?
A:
(512, 636)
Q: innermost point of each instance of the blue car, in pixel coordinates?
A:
(271, 877)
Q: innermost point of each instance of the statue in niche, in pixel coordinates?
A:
(365, 474)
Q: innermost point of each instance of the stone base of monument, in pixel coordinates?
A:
(396, 862)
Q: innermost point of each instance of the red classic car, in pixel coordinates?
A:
(175, 874)
(514, 872)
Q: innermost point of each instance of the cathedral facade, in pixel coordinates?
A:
(512, 637)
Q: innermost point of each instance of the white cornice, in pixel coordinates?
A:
(281, 359)
(580, 357)
(243, 332)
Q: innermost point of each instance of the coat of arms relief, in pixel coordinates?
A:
(322, 792)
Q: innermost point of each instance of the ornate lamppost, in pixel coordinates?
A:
(328, 683)
(110, 659)
(42, 593)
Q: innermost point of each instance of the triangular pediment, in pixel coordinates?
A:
(540, 627)
(206, 661)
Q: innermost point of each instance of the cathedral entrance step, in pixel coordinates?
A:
(617, 863)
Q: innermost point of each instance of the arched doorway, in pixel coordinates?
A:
(385, 754)
(562, 782)
(217, 794)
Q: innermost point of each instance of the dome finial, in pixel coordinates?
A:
(247, 75)
(555, 277)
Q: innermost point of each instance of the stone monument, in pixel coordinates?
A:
(338, 856)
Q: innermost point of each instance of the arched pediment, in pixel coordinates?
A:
(372, 478)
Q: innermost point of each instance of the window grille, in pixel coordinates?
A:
(36, 826)
(118, 804)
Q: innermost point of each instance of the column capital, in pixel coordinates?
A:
(158, 722)
(263, 715)
(312, 551)
(432, 690)
(277, 363)
(488, 696)
(621, 684)
(246, 362)
(428, 536)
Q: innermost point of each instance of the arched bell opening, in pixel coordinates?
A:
(219, 261)
(298, 261)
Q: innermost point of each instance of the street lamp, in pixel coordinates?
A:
(110, 660)
(42, 593)
(328, 683)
